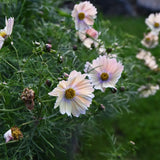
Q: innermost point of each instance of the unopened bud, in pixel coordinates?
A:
(113, 90)
(131, 142)
(65, 75)
(122, 89)
(60, 59)
(102, 107)
(48, 82)
(74, 47)
(48, 47)
(109, 50)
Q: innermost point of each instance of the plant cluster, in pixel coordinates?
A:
(89, 75)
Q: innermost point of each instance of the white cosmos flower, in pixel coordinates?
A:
(104, 72)
(153, 22)
(8, 135)
(4, 33)
(13, 133)
(146, 91)
(150, 40)
(74, 96)
(84, 14)
(149, 60)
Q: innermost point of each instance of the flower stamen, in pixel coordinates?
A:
(104, 76)
(70, 93)
(81, 16)
(148, 39)
(16, 133)
(3, 34)
(156, 25)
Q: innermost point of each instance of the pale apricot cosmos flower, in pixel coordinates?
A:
(153, 22)
(89, 37)
(4, 33)
(148, 90)
(104, 72)
(13, 134)
(142, 53)
(150, 40)
(84, 14)
(74, 96)
(90, 40)
(149, 60)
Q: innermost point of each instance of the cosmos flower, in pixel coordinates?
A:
(149, 60)
(150, 40)
(4, 33)
(89, 37)
(146, 91)
(90, 40)
(84, 14)
(104, 72)
(153, 22)
(141, 55)
(74, 95)
(13, 134)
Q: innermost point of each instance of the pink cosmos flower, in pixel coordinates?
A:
(84, 14)
(150, 40)
(90, 40)
(153, 22)
(74, 95)
(4, 33)
(89, 37)
(104, 72)
(92, 33)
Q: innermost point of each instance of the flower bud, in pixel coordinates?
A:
(109, 50)
(74, 47)
(48, 83)
(60, 59)
(113, 90)
(102, 107)
(65, 75)
(48, 47)
(122, 89)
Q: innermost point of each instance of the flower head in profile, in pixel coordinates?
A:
(90, 40)
(149, 60)
(89, 37)
(150, 40)
(153, 22)
(104, 72)
(4, 33)
(13, 134)
(148, 90)
(74, 96)
(84, 14)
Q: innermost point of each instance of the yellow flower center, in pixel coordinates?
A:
(16, 133)
(3, 34)
(148, 39)
(81, 16)
(104, 76)
(156, 25)
(70, 93)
